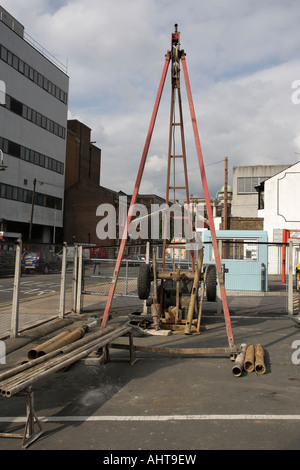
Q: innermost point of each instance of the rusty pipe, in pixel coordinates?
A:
(57, 342)
(249, 358)
(24, 366)
(260, 367)
(66, 361)
(33, 353)
(12, 387)
(155, 313)
(194, 294)
(173, 275)
(239, 362)
(45, 365)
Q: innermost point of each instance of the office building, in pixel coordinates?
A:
(33, 122)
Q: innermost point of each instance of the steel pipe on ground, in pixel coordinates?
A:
(46, 365)
(249, 358)
(239, 362)
(15, 384)
(260, 367)
(58, 341)
(63, 350)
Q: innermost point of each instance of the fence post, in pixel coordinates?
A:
(126, 278)
(16, 291)
(63, 282)
(79, 281)
(219, 299)
(290, 280)
(74, 280)
(145, 310)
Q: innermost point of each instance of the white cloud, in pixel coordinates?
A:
(242, 58)
(156, 164)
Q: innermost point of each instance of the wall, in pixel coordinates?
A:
(246, 204)
(281, 209)
(248, 270)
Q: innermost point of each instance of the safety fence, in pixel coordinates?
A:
(247, 267)
(35, 284)
(67, 275)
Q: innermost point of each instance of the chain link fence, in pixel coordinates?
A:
(249, 269)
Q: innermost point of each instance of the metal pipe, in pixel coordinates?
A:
(10, 388)
(194, 294)
(35, 371)
(68, 348)
(179, 351)
(239, 362)
(173, 275)
(249, 358)
(201, 301)
(260, 367)
(57, 342)
(33, 353)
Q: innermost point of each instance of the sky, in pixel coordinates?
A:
(242, 58)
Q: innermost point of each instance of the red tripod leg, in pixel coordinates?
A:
(208, 206)
(135, 193)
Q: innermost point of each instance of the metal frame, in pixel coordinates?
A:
(181, 57)
(29, 435)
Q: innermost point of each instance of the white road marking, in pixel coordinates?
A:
(53, 419)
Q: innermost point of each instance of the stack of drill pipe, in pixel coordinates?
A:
(21, 377)
(57, 342)
(239, 362)
(259, 367)
(254, 359)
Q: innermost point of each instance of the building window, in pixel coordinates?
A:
(25, 69)
(19, 151)
(238, 249)
(24, 195)
(33, 116)
(246, 185)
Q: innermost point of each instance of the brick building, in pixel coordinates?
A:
(83, 193)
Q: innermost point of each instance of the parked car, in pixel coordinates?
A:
(131, 259)
(41, 261)
(7, 263)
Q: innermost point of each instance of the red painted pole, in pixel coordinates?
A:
(135, 193)
(208, 206)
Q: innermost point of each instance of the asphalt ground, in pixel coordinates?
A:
(167, 404)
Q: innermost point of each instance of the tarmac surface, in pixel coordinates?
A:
(164, 402)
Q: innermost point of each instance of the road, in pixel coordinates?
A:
(168, 403)
(32, 285)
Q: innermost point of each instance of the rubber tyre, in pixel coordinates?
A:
(211, 283)
(144, 281)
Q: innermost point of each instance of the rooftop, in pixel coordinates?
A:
(19, 29)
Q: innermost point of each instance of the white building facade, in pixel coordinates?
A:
(281, 202)
(33, 123)
(245, 179)
(281, 215)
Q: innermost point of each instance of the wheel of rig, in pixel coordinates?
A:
(144, 281)
(211, 283)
